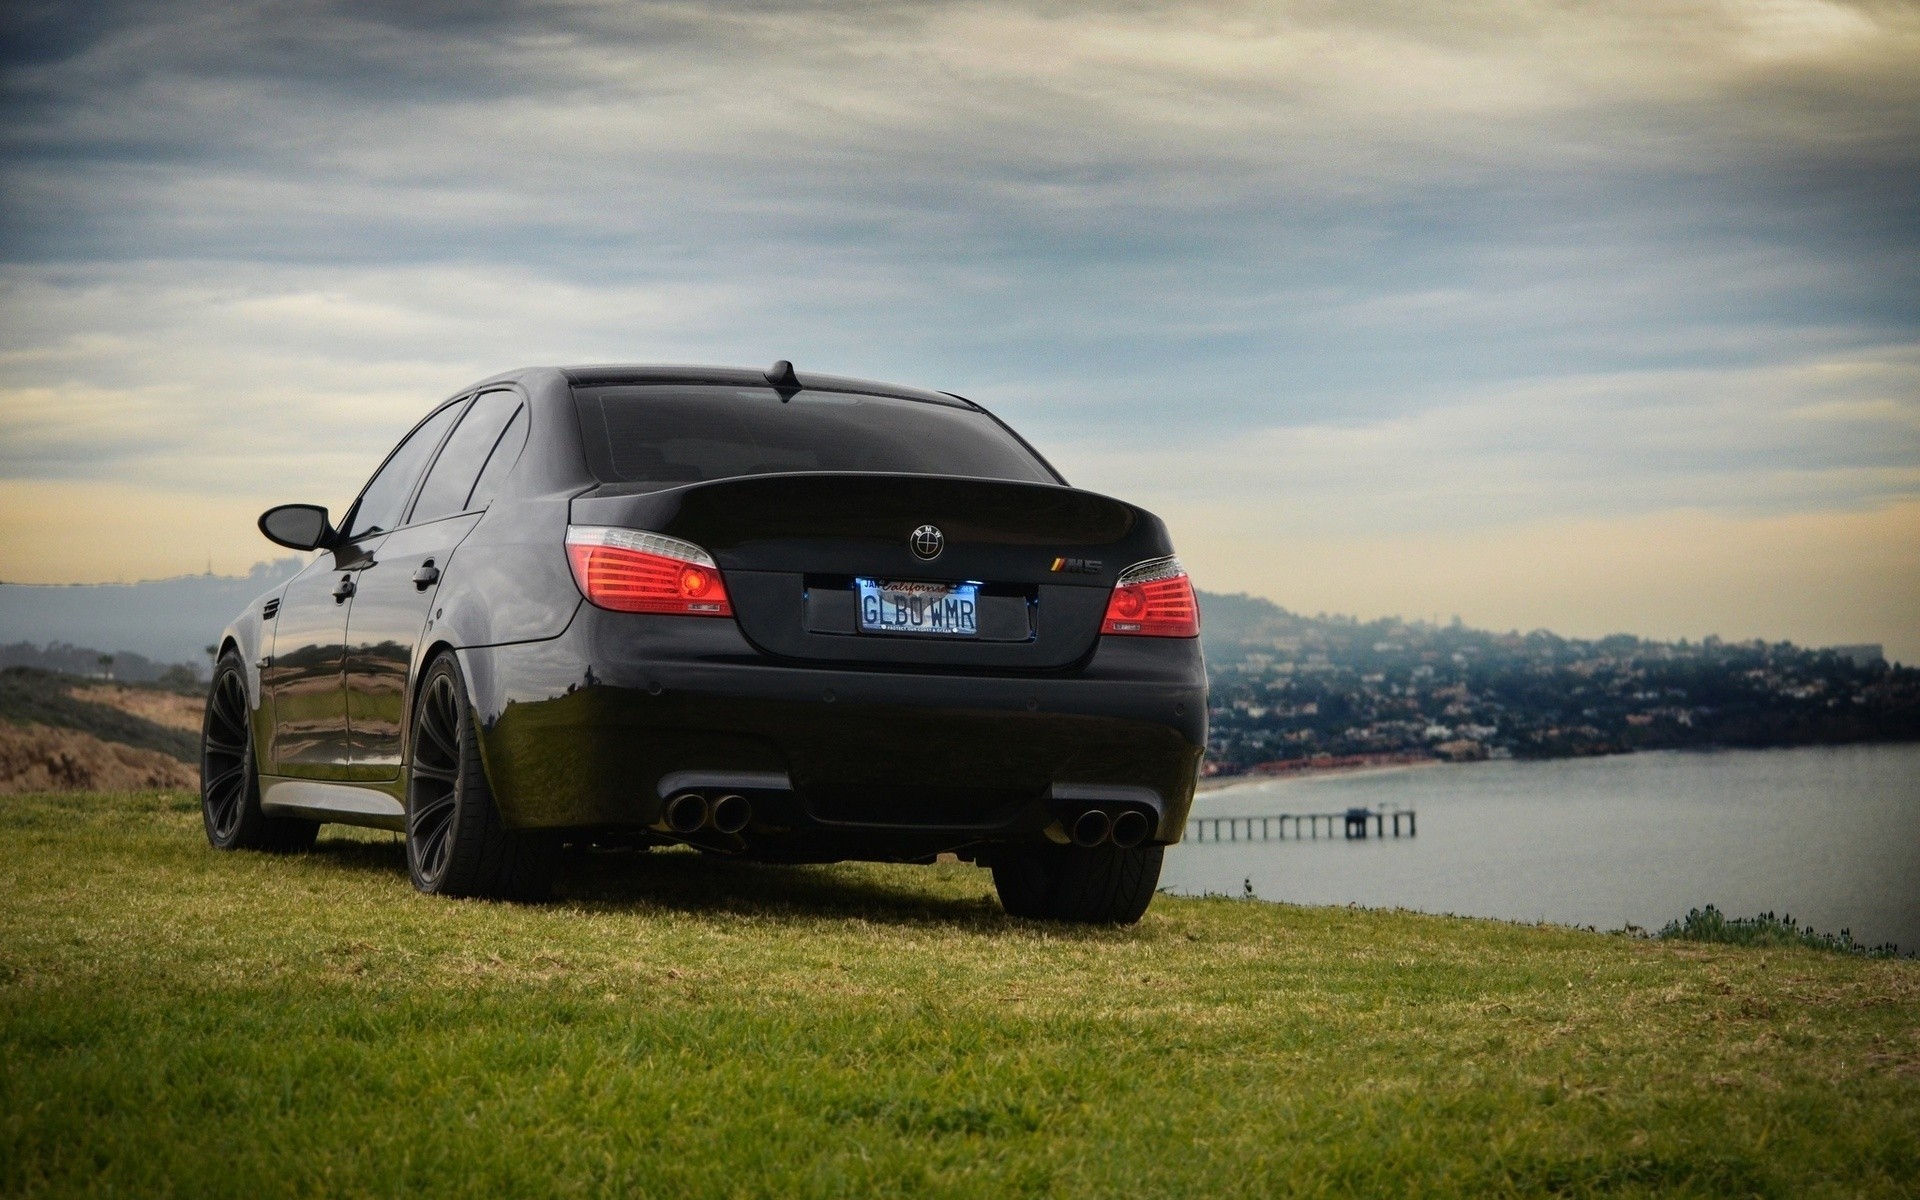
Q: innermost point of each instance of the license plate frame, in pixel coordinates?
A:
(918, 608)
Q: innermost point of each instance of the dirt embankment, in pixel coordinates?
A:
(39, 758)
(169, 709)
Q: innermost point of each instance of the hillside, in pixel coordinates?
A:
(59, 732)
(181, 1022)
(1290, 689)
(39, 758)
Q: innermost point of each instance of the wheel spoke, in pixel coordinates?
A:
(434, 847)
(230, 706)
(434, 771)
(442, 746)
(429, 809)
(443, 721)
(431, 826)
(445, 775)
(222, 722)
(228, 775)
(223, 808)
(225, 760)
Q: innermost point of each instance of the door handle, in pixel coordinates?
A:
(343, 589)
(426, 576)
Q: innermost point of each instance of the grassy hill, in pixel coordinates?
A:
(29, 696)
(177, 1021)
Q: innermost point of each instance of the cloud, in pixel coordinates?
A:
(1361, 270)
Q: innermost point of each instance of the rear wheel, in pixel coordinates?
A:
(229, 783)
(1100, 885)
(456, 843)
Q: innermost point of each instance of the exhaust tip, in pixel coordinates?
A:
(686, 812)
(1091, 828)
(731, 813)
(1130, 828)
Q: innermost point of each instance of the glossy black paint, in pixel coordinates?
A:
(297, 526)
(387, 614)
(782, 539)
(306, 675)
(848, 745)
(579, 730)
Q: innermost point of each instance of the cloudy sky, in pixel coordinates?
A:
(1596, 317)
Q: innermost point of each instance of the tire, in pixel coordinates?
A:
(456, 843)
(1098, 885)
(229, 780)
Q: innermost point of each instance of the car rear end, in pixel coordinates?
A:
(828, 623)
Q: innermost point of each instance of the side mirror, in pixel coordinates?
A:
(298, 526)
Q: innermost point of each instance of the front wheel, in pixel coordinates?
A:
(229, 782)
(456, 843)
(1096, 885)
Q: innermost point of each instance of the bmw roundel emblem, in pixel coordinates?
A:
(927, 542)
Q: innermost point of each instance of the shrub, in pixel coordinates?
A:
(1709, 924)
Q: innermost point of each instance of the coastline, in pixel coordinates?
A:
(1638, 838)
(1214, 784)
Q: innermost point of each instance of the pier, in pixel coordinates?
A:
(1354, 823)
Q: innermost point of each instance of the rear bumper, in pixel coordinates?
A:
(594, 729)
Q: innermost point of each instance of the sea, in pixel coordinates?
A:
(1828, 835)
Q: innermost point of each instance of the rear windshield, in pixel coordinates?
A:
(674, 434)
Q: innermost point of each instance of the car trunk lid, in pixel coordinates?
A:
(793, 549)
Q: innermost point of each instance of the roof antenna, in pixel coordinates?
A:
(784, 381)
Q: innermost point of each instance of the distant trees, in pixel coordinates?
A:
(1287, 686)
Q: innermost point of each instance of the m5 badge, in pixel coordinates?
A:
(1076, 566)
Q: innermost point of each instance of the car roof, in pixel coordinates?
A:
(561, 459)
(743, 377)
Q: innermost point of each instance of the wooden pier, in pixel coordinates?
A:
(1353, 823)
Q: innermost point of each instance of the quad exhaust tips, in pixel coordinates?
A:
(1130, 828)
(686, 812)
(718, 801)
(1105, 814)
(1095, 826)
(690, 812)
(730, 813)
(1091, 828)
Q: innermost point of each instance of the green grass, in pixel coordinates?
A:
(176, 1021)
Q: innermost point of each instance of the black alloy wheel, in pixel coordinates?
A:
(456, 844)
(1095, 885)
(229, 784)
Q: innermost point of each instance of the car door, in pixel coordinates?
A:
(396, 590)
(307, 673)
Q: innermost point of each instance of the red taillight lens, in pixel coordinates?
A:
(1153, 599)
(628, 570)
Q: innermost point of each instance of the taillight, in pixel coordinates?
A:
(1153, 599)
(628, 570)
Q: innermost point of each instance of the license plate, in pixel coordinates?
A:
(896, 606)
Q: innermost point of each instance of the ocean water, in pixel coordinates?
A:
(1830, 835)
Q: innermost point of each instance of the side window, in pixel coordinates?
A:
(505, 453)
(386, 493)
(453, 475)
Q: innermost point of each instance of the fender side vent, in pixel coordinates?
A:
(271, 610)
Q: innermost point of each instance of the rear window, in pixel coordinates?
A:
(674, 434)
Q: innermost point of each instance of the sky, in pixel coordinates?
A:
(1595, 317)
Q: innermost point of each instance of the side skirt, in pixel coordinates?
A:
(340, 803)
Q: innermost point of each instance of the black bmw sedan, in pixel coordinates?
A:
(797, 618)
